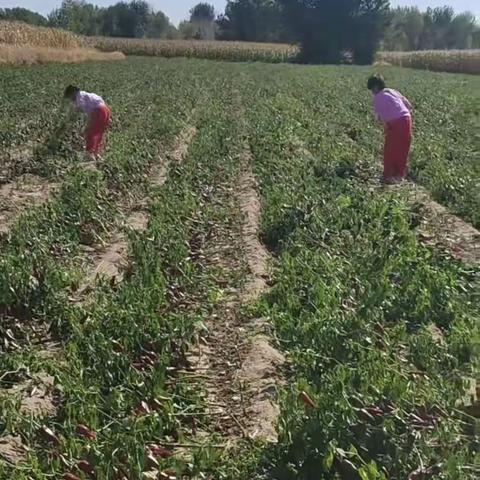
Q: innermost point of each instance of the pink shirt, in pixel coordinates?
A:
(88, 102)
(391, 105)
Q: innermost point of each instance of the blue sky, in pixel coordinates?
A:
(178, 9)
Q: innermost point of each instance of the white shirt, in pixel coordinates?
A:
(88, 102)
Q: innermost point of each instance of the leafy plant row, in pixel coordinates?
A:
(357, 299)
(120, 404)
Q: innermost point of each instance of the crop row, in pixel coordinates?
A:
(454, 61)
(97, 373)
(378, 327)
(355, 296)
(213, 50)
(19, 33)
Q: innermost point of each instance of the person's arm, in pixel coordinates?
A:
(377, 109)
(407, 103)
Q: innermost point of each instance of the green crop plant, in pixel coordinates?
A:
(354, 291)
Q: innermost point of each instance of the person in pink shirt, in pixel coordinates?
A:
(395, 111)
(98, 115)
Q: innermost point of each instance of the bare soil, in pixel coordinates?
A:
(234, 357)
(110, 262)
(12, 449)
(25, 192)
(36, 395)
(444, 229)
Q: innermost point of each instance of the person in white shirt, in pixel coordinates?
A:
(98, 114)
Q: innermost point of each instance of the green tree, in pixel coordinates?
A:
(128, 20)
(369, 21)
(158, 26)
(437, 28)
(76, 16)
(22, 15)
(186, 30)
(476, 37)
(326, 29)
(202, 11)
(461, 31)
(405, 29)
(437, 23)
(202, 20)
(135, 19)
(252, 20)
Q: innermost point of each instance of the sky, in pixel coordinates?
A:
(177, 10)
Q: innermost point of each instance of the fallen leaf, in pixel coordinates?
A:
(159, 452)
(49, 436)
(84, 431)
(306, 399)
(168, 475)
(86, 467)
(70, 476)
(143, 408)
(425, 473)
(117, 346)
(151, 461)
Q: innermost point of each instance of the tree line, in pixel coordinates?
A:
(327, 30)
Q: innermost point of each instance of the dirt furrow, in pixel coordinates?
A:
(239, 366)
(27, 191)
(441, 228)
(110, 262)
(37, 396)
(261, 365)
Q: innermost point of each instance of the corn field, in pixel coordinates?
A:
(454, 61)
(214, 50)
(23, 44)
(17, 33)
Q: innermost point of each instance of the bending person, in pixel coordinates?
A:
(395, 111)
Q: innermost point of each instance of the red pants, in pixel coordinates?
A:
(398, 140)
(97, 126)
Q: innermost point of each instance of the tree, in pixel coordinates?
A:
(140, 14)
(405, 29)
(461, 31)
(437, 28)
(158, 25)
(128, 20)
(437, 22)
(202, 12)
(76, 16)
(22, 15)
(186, 30)
(476, 38)
(369, 20)
(202, 20)
(327, 28)
(135, 19)
(252, 20)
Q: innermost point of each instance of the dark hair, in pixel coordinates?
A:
(71, 91)
(376, 81)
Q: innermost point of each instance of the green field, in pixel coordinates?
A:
(354, 292)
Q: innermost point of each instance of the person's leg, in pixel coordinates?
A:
(397, 149)
(389, 152)
(97, 141)
(406, 143)
(103, 123)
(92, 131)
(98, 124)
